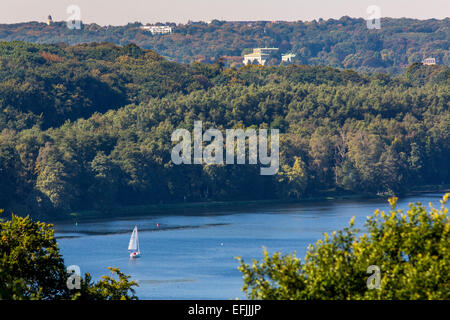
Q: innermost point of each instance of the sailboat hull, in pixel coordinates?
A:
(135, 255)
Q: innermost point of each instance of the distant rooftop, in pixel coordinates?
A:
(429, 61)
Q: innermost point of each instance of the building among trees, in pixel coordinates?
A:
(429, 61)
(158, 29)
(287, 57)
(259, 55)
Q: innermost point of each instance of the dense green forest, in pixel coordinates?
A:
(89, 126)
(339, 43)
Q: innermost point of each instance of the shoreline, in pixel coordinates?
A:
(198, 207)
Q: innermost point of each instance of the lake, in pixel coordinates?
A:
(192, 255)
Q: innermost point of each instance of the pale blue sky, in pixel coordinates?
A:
(119, 12)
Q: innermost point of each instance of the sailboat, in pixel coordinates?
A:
(133, 246)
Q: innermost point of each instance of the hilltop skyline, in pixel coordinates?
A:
(120, 13)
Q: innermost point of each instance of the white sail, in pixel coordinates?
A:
(134, 242)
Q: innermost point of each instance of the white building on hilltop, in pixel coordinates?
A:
(259, 58)
(429, 61)
(259, 55)
(287, 57)
(158, 29)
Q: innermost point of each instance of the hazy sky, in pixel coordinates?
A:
(119, 12)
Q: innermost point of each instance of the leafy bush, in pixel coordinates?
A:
(32, 268)
(412, 251)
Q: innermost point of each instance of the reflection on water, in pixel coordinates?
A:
(191, 255)
(164, 281)
(67, 231)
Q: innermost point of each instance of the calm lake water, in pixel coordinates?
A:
(192, 255)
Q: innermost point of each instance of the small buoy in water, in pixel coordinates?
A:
(221, 243)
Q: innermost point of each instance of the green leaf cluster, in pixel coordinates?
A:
(31, 267)
(411, 249)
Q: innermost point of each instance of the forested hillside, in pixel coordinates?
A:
(343, 43)
(49, 84)
(89, 126)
